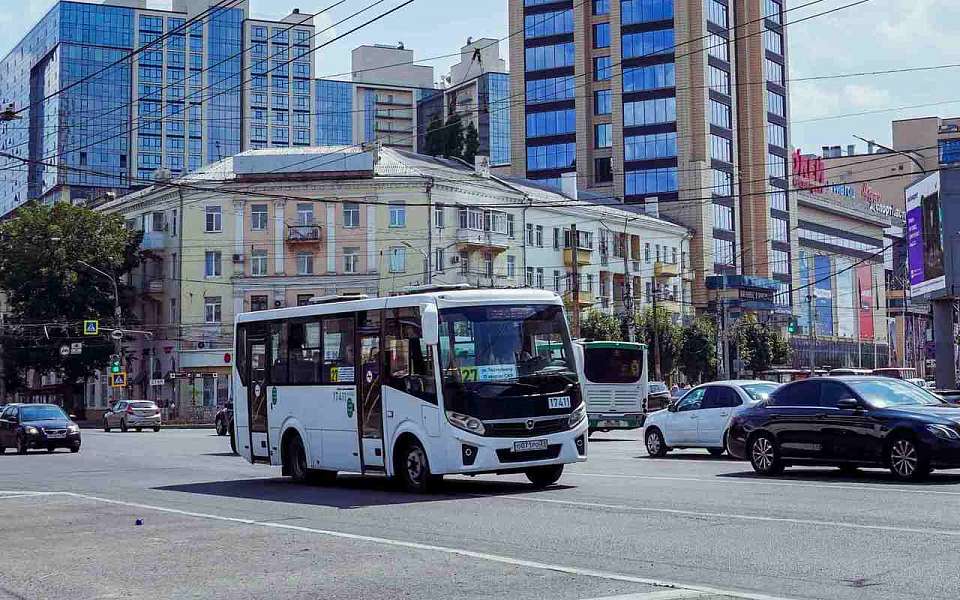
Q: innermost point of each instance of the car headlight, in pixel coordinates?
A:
(466, 422)
(944, 432)
(73, 428)
(30, 430)
(577, 415)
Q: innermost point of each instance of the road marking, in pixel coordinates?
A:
(9, 496)
(734, 516)
(517, 562)
(665, 595)
(780, 483)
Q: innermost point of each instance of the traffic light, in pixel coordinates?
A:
(115, 364)
(792, 326)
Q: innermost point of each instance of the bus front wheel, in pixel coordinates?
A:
(542, 477)
(413, 468)
(295, 459)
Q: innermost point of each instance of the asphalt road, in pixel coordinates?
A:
(621, 524)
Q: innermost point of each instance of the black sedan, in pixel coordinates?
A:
(849, 422)
(25, 426)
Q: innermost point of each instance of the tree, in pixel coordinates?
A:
(760, 346)
(598, 326)
(49, 293)
(453, 137)
(669, 337)
(471, 144)
(698, 350)
(436, 137)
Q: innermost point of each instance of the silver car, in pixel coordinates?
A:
(132, 413)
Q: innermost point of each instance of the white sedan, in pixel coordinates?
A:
(701, 417)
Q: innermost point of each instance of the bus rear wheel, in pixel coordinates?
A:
(542, 477)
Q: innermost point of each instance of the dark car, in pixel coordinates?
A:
(849, 422)
(224, 419)
(658, 397)
(25, 426)
(949, 396)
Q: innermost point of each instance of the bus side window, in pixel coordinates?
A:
(338, 352)
(410, 361)
(303, 338)
(241, 355)
(278, 353)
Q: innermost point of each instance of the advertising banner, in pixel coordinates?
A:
(846, 300)
(803, 316)
(865, 288)
(823, 293)
(925, 236)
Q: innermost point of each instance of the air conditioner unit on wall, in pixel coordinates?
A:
(238, 258)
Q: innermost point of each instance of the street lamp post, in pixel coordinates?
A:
(426, 260)
(117, 313)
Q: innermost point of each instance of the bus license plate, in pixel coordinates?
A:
(527, 445)
(559, 402)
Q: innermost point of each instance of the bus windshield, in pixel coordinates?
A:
(612, 365)
(503, 343)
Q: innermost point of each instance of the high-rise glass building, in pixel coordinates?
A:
(680, 105)
(109, 93)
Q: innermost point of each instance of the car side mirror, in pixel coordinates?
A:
(848, 404)
(672, 407)
(72, 417)
(430, 320)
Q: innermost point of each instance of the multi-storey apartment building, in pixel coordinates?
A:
(276, 227)
(108, 93)
(378, 104)
(677, 104)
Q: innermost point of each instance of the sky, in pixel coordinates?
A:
(876, 35)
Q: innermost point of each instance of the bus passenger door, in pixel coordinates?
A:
(370, 359)
(257, 398)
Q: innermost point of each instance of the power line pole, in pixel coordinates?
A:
(628, 290)
(724, 346)
(813, 333)
(656, 330)
(575, 253)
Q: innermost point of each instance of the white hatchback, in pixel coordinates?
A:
(700, 418)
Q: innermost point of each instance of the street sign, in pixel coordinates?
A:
(76, 348)
(116, 334)
(64, 350)
(157, 382)
(91, 327)
(118, 380)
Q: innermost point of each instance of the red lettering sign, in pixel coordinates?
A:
(869, 194)
(809, 172)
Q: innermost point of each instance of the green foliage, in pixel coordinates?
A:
(44, 282)
(670, 336)
(436, 138)
(698, 350)
(760, 346)
(597, 326)
(453, 137)
(471, 144)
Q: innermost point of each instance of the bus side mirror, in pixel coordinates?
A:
(431, 325)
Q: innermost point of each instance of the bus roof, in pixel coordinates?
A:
(442, 299)
(612, 344)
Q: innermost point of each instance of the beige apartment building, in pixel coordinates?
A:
(680, 106)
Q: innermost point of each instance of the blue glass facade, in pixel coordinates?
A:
(499, 98)
(224, 118)
(334, 113)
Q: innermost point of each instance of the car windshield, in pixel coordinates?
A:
(143, 405)
(894, 392)
(759, 391)
(41, 413)
(658, 387)
(503, 343)
(613, 365)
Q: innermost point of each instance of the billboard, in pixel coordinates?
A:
(866, 303)
(823, 295)
(803, 317)
(925, 237)
(846, 300)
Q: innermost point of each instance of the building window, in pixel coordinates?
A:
(601, 35)
(649, 112)
(551, 156)
(651, 77)
(723, 252)
(529, 240)
(304, 299)
(529, 278)
(554, 122)
(674, 255)
(212, 309)
(776, 166)
(646, 252)
(304, 263)
(647, 147)
(540, 277)
(438, 216)
(719, 114)
(511, 266)
(258, 303)
(549, 57)
(511, 227)
(351, 260)
(258, 217)
(602, 69)
(779, 262)
(398, 215)
(351, 214)
(778, 200)
(603, 135)
(717, 13)
(601, 7)
(539, 236)
(719, 80)
(214, 219)
(464, 263)
(603, 102)
(438, 260)
(547, 24)
(488, 264)
(258, 263)
(211, 264)
(645, 11)
(722, 183)
(721, 148)
(550, 89)
(773, 10)
(776, 104)
(776, 135)
(773, 71)
(397, 259)
(648, 43)
(779, 230)
(722, 217)
(773, 41)
(717, 47)
(603, 170)
(658, 252)
(651, 181)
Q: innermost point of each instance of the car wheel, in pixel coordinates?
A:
(656, 446)
(3, 449)
(156, 429)
(715, 452)
(21, 445)
(907, 459)
(50, 449)
(221, 427)
(413, 468)
(139, 429)
(296, 458)
(542, 477)
(123, 426)
(75, 447)
(764, 455)
(106, 425)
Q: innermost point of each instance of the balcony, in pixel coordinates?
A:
(154, 240)
(662, 270)
(586, 298)
(303, 234)
(584, 256)
(154, 287)
(487, 240)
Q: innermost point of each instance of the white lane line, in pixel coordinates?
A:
(517, 562)
(666, 595)
(923, 490)
(734, 516)
(10, 496)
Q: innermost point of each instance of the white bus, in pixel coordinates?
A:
(613, 376)
(413, 387)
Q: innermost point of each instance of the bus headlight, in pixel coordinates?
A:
(577, 415)
(465, 422)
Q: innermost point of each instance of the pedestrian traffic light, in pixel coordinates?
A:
(792, 326)
(115, 364)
